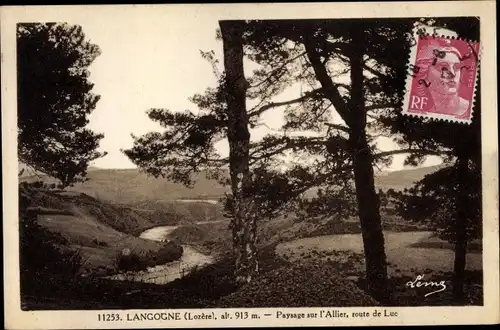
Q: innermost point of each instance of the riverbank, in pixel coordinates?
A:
(161, 273)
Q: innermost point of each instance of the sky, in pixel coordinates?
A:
(156, 63)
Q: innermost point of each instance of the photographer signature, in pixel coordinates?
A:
(418, 283)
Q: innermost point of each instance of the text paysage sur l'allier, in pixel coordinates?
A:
(335, 313)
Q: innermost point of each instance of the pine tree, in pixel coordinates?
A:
(451, 197)
(55, 100)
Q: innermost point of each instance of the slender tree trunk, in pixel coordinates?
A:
(461, 216)
(244, 225)
(354, 114)
(371, 227)
(367, 198)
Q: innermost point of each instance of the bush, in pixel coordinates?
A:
(130, 262)
(313, 284)
(168, 253)
(134, 261)
(336, 227)
(97, 242)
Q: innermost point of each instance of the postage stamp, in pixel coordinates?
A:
(248, 165)
(443, 75)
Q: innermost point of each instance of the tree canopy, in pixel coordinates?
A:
(54, 100)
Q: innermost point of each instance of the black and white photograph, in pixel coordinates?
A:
(211, 163)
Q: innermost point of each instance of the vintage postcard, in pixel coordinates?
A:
(198, 166)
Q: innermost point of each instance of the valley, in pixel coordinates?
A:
(181, 236)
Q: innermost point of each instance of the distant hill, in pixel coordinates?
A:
(133, 187)
(398, 180)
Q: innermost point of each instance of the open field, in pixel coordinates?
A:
(402, 256)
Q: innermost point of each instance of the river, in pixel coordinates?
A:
(163, 274)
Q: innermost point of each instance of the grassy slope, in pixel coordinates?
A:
(119, 217)
(98, 242)
(99, 230)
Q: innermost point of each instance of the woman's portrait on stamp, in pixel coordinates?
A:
(444, 77)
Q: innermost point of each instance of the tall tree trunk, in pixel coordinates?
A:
(354, 114)
(244, 225)
(367, 198)
(461, 216)
(371, 227)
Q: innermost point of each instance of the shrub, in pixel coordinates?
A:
(335, 227)
(171, 251)
(134, 261)
(188, 234)
(97, 242)
(130, 262)
(312, 284)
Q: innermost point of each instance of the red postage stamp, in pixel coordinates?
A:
(442, 78)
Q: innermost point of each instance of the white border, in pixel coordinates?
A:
(429, 30)
(485, 10)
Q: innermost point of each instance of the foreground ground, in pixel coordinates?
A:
(310, 283)
(306, 272)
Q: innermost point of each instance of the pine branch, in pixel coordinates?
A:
(410, 150)
(374, 72)
(289, 144)
(321, 178)
(271, 105)
(339, 127)
(329, 89)
(381, 106)
(269, 77)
